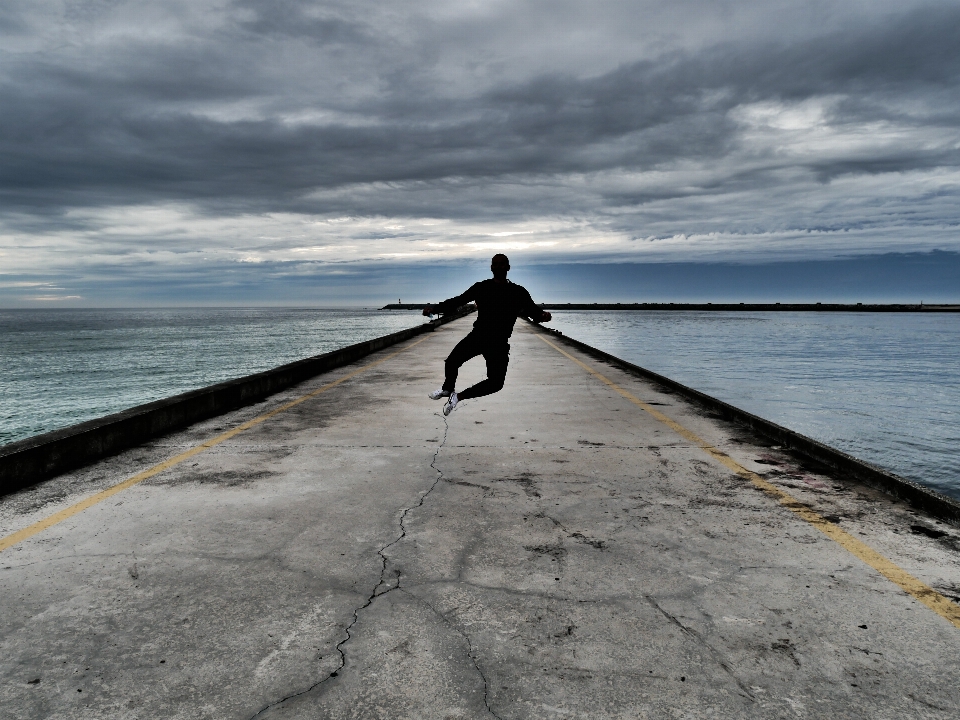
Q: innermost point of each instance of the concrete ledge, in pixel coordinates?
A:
(38, 458)
(920, 497)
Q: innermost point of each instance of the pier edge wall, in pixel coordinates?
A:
(918, 496)
(34, 459)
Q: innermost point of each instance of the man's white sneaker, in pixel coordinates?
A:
(439, 393)
(451, 404)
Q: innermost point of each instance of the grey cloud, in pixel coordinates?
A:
(295, 19)
(118, 121)
(301, 107)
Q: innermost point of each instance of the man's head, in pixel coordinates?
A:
(499, 266)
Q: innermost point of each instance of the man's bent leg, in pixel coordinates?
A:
(497, 357)
(466, 349)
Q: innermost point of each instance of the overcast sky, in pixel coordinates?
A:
(205, 151)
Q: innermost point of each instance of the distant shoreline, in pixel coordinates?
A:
(727, 307)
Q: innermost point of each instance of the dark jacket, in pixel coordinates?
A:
(498, 307)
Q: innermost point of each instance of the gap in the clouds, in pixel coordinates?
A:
(890, 278)
(928, 277)
(932, 277)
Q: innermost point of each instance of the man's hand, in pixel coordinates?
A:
(545, 316)
(428, 311)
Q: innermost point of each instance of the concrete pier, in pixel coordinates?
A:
(581, 545)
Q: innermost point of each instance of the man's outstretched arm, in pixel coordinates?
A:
(535, 313)
(543, 317)
(451, 304)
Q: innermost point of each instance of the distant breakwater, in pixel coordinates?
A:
(728, 307)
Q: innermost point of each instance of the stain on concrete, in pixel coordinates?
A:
(526, 482)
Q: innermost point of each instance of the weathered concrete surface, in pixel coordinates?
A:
(555, 553)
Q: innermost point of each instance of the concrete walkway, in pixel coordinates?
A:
(554, 551)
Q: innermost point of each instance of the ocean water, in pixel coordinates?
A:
(61, 367)
(883, 387)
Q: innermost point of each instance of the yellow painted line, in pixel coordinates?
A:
(940, 604)
(99, 497)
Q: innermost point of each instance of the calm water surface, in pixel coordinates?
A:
(61, 367)
(884, 387)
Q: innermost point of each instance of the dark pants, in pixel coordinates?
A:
(495, 351)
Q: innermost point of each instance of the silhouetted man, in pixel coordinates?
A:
(499, 304)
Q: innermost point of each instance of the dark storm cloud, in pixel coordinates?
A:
(125, 124)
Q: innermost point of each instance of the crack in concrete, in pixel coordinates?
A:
(377, 591)
(699, 638)
(470, 652)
